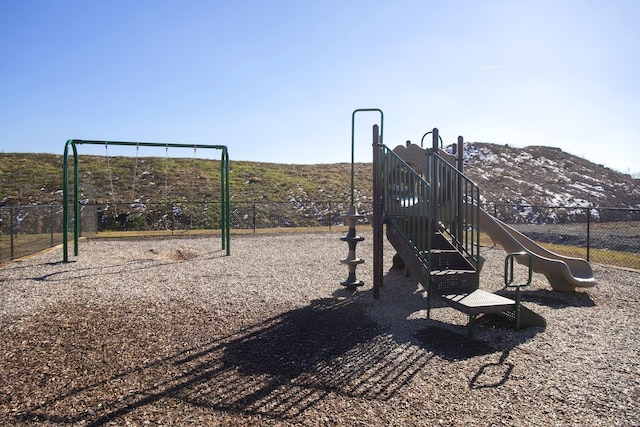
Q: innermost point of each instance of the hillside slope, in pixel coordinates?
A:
(506, 175)
(544, 176)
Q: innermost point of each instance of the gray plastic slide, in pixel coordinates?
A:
(564, 273)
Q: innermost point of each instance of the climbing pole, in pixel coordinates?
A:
(352, 216)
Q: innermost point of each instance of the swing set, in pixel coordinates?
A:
(224, 186)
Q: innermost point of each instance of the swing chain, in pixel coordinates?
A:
(113, 193)
(135, 176)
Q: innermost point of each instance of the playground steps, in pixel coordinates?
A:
(444, 259)
(439, 241)
(451, 272)
(481, 302)
(528, 318)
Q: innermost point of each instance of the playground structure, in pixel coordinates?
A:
(352, 216)
(73, 143)
(563, 273)
(432, 216)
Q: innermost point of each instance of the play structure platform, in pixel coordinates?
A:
(430, 211)
(481, 302)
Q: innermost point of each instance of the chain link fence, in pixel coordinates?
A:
(206, 215)
(601, 235)
(25, 230)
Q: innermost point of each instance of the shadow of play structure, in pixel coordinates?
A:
(432, 217)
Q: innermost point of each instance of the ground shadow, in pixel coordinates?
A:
(493, 374)
(275, 369)
(492, 332)
(451, 345)
(300, 339)
(552, 299)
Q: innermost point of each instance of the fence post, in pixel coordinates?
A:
(588, 233)
(254, 218)
(12, 227)
(51, 223)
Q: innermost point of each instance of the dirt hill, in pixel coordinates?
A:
(533, 175)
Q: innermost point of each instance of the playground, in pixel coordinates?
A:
(173, 331)
(443, 330)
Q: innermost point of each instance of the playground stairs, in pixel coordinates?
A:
(451, 272)
(528, 318)
(480, 302)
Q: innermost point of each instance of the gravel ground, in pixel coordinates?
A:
(172, 332)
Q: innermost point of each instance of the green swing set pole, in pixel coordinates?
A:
(225, 211)
(224, 183)
(65, 200)
(227, 202)
(353, 120)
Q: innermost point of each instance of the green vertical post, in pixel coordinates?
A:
(223, 218)
(353, 120)
(65, 199)
(377, 216)
(76, 203)
(65, 193)
(509, 278)
(226, 205)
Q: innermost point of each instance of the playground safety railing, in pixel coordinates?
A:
(456, 200)
(407, 202)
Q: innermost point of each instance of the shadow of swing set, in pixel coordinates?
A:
(432, 217)
(73, 143)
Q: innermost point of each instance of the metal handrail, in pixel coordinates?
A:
(407, 203)
(455, 204)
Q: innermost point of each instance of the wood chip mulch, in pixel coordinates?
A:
(173, 332)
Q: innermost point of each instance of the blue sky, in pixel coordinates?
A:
(277, 81)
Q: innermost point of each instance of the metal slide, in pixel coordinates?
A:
(564, 273)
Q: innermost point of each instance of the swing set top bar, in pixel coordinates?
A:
(146, 144)
(224, 187)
